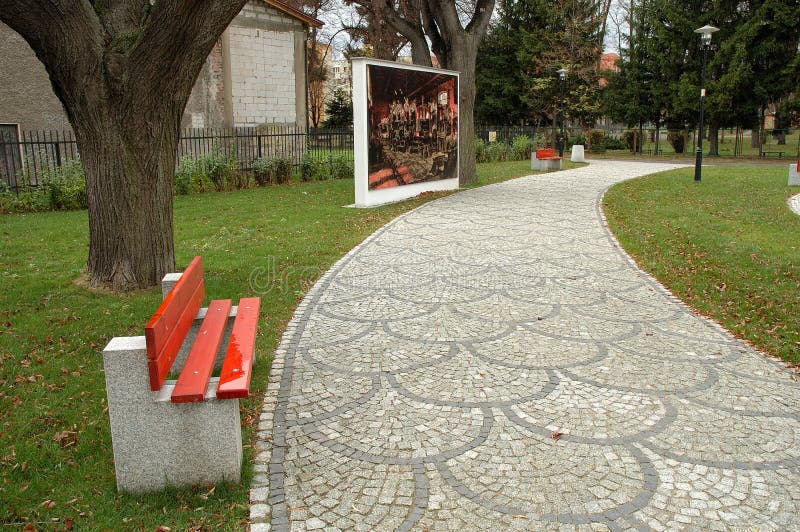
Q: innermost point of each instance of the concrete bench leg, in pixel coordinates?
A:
(158, 443)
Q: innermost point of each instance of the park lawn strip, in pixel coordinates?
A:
(56, 461)
(728, 246)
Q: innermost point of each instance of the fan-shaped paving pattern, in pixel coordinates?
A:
(492, 361)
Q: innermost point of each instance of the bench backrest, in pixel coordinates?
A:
(545, 153)
(165, 331)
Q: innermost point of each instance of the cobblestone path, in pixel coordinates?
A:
(493, 361)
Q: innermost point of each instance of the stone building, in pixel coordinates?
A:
(256, 74)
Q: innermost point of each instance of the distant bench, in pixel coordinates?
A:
(545, 159)
(765, 154)
(185, 431)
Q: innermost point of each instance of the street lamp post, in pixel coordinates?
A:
(562, 75)
(705, 40)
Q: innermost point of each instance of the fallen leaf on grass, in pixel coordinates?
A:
(162, 528)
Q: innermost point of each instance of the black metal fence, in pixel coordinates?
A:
(268, 142)
(26, 156)
(504, 133)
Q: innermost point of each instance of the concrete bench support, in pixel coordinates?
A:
(158, 443)
(545, 164)
(794, 174)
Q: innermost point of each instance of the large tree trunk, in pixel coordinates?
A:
(463, 58)
(124, 71)
(129, 176)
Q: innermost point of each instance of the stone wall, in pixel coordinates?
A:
(26, 95)
(265, 66)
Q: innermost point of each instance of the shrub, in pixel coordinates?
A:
(615, 143)
(597, 138)
(676, 140)
(577, 139)
(521, 146)
(312, 168)
(497, 151)
(239, 180)
(186, 175)
(281, 169)
(66, 186)
(219, 168)
(261, 171)
(628, 137)
(480, 150)
(340, 167)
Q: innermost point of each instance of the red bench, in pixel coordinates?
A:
(545, 159)
(187, 431)
(547, 154)
(167, 329)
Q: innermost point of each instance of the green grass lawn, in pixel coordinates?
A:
(56, 463)
(728, 246)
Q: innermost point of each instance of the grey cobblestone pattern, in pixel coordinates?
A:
(494, 361)
(794, 203)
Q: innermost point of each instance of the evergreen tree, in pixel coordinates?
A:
(339, 110)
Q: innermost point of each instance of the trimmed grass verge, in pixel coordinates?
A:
(728, 246)
(56, 463)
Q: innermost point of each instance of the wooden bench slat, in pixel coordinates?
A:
(193, 380)
(168, 326)
(234, 379)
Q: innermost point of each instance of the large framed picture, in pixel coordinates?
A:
(405, 120)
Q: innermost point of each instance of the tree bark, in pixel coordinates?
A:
(713, 139)
(123, 71)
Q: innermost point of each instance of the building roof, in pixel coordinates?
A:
(296, 13)
(608, 61)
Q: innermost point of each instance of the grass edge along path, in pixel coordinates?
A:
(56, 462)
(729, 247)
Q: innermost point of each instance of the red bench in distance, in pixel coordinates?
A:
(545, 159)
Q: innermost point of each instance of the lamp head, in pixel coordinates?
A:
(705, 33)
(562, 73)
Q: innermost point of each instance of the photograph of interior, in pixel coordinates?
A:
(413, 126)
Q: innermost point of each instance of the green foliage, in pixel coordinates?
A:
(521, 146)
(676, 140)
(311, 168)
(497, 151)
(615, 143)
(340, 167)
(219, 168)
(480, 150)
(339, 110)
(580, 138)
(631, 139)
(66, 186)
(60, 188)
(190, 177)
(276, 170)
(597, 138)
(321, 167)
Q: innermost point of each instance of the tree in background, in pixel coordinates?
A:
(753, 63)
(377, 38)
(123, 72)
(455, 44)
(339, 110)
(530, 42)
(317, 78)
